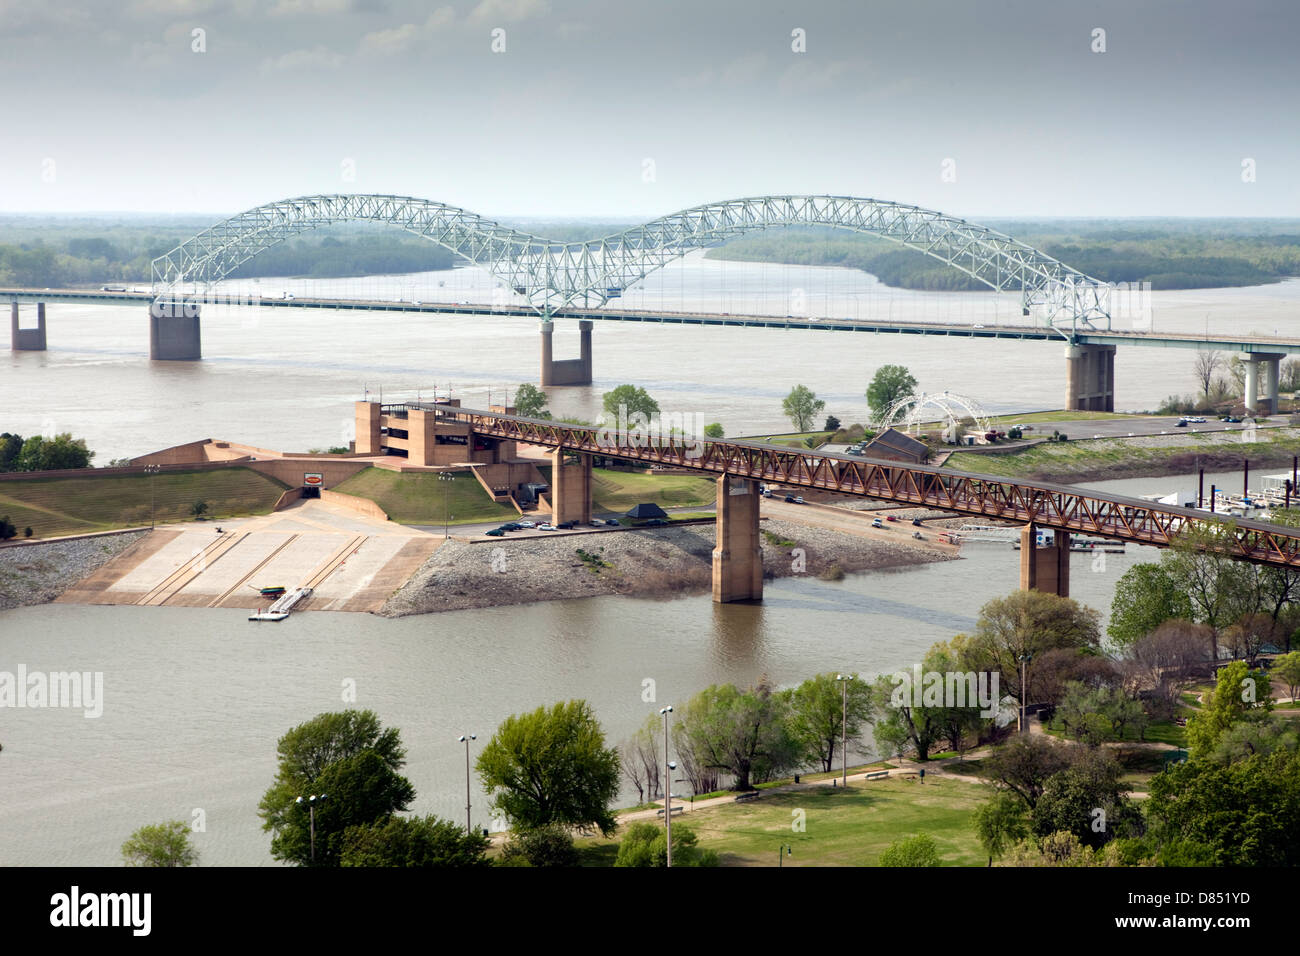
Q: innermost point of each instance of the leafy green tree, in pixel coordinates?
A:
(11, 447)
(1246, 813)
(7, 529)
(1219, 588)
(832, 424)
(306, 755)
(714, 430)
(530, 401)
(414, 842)
(646, 845)
(1063, 849)
(817, 711)
(633, 400)
(1236, 691)
(54, 454)
(1287, 669)
(552, 766)
(1257, 732)
(892, 383)
(198, 508)
(919, 850)
(1085, 799)
(1145, 597)
(802, 406)
(1000, 823)
(1024, 764)
(550, 845)
(745, 733)
(160, 844)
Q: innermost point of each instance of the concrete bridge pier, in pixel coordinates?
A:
(1047, 568)
(1270, 366)
(570, 487)
(174, 331)
(1090, 378)
(738, 553)
(27, 340)
(568, 371)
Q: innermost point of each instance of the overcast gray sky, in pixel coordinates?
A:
(633, 110)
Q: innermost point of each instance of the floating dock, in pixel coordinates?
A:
(282, 607)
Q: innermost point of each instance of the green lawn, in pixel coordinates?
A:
(57, 506)
(618, 491)
(842, 827)
(792, 438)
(417, 498)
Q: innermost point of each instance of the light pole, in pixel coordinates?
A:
(669, 767)
(844, 716)
(782, 852)
(1024, 663)
(311, 809)
(153, 498)
(465, 740)
(446, 518)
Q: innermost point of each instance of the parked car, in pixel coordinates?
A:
(527, 524)
(891, 517)
(511, 526)
(565, 525)
(546, 527)
(612, 521)
(655, 523)
(916, 522)
(799, 500)
(596, 522)
(496, 533)
(1197, 420)
(790, 498)
(1181, 423)
(877, 523)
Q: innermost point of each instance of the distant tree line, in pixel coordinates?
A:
(43, 454)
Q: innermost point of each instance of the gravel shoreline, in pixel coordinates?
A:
(39, 573)
(641, 562)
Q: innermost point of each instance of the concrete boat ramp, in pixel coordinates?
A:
(348, 561)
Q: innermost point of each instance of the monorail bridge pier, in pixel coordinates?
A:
(567, 371)
(27, 340)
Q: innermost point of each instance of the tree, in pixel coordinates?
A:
(11, 447)
(1206, 365)
(1085, 799)
(744, 733)
(546, 846)
(817, 708)
(307, 753)
(1146, 596)
(7, 529)
(1287, 669)
(1000, 824)
(646, 845)
(919, 850)
(160, 844)
(530, 401)
(1024, 764)
(641, 758)
(892, 383)
(1171, 652)
(1258, 732)
(713, 430)
(630, 401)
(54, 454)
(802, 406)
(414, 842)
(1236, 691)
(551, 766)
(198, 508)
(832, 424)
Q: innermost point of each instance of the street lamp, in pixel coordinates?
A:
(669, 767)
(782, 852)
(465, 740)
(152, 470)
(1024, 664)
(844, 714)
(311, 808)
(446, 518)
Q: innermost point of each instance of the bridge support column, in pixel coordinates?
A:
(738, 553)
(27, 340)
(1090, 378)
(1045, 569)
(569, 371)
(570, 487)
(1270, 366)
(174, 331)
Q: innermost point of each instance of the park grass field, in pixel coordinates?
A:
(842, 827)
(86, 503)
(620, 490)
(417, 498)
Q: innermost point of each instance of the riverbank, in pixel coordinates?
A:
(39, 573)
(639, 563)
(1147, 456)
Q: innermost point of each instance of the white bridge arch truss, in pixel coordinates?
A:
(910, 411)
(555, 275)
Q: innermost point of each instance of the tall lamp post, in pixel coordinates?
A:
(311, 809)
(153, 497)
(1024, 664)
(446, 518)
(782, 852)
(465, 740)
(669, 767)
(844, 717)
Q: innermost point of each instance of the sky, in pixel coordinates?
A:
(560, 109)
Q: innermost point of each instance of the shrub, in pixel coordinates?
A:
(543, 846)
(919, 850)
(646, 844)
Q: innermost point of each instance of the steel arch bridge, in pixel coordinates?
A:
(553, 275)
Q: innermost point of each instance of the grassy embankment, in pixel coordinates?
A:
(1103, 458)
(86, 503)
(844, 827)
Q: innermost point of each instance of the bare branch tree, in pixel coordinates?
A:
(1205, 366)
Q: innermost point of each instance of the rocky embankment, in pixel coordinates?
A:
(39, 573)
(641, 562)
